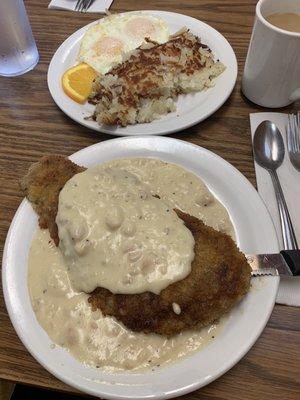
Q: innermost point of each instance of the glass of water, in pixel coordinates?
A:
(18, 51)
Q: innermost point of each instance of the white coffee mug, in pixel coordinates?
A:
(272, 69)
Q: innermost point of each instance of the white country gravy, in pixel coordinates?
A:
(91, 338)
(146, 248)
(115, 234)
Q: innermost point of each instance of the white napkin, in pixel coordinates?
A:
(99, 6)
(289, 288)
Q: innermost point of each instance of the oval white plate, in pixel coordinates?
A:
(191, 108)
(255, 233)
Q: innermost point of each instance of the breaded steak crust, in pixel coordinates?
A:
(220, 277)
(42, 184)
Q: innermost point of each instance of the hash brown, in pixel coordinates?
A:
(146, 84)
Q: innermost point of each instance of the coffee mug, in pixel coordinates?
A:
(272, 69)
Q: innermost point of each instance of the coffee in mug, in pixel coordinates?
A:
(287, 21)
(272, 70)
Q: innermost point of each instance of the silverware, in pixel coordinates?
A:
(287, 262)
(83, 5)
(293, 139)
(268, 149)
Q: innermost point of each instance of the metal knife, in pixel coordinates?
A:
(287, 263)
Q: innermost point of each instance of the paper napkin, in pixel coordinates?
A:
(289, 288)
(99, 6)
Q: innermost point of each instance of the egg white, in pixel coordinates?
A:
(105, 44)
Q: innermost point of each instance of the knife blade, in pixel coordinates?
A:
(287, 263)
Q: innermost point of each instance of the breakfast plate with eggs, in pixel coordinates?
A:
(143, 72)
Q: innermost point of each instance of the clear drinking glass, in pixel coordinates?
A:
(18, 51)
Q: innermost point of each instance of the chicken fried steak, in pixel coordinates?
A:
(220, 277)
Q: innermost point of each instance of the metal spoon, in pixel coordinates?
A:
(268, 149)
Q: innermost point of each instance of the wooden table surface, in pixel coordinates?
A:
(31, 126)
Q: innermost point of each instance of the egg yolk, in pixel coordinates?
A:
(109, 46)
(140, 27)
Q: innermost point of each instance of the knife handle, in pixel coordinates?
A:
(292, 258)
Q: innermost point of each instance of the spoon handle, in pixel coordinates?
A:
(288, 234)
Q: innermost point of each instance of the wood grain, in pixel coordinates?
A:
(31, 125)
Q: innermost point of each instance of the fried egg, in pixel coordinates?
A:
(105, 44)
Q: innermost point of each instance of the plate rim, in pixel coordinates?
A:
(171, 393)
(99, 129)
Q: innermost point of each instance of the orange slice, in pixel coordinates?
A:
(77, 82)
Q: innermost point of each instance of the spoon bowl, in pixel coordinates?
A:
(268, 146)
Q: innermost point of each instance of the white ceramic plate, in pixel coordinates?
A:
(191, 108)
(255, 233)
